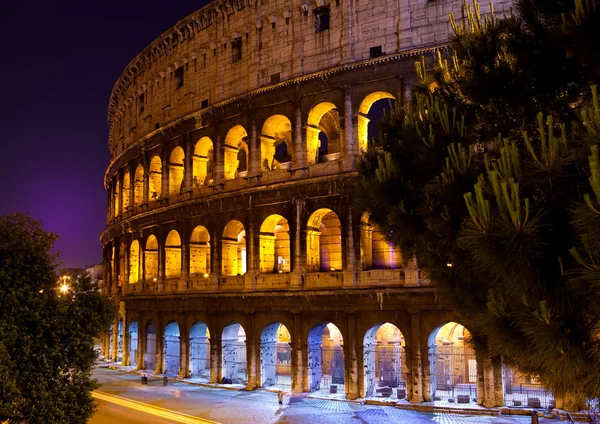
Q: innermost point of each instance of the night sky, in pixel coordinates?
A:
(59, 62)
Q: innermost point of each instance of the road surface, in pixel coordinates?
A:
(110, 413)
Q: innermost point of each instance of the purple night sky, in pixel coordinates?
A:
(60, 60)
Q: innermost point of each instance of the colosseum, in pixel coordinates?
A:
(231, 245)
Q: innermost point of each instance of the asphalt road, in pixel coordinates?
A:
(110, 413)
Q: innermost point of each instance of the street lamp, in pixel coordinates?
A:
(64, 287)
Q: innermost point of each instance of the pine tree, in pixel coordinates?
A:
(490, 177)
(46, 353)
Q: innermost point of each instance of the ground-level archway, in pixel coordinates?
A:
(384, 362)
(200, 352)
(110, 342)
(133, 343)
(150, 348)
(453, 364)
(525, 390)
(233, 352)
(171, 349)
(326, 359)
(120, 341)
(276, 357)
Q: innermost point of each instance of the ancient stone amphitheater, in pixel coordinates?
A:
(231, 243)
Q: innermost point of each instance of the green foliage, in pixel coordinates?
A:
(46, 354)
(490, 176)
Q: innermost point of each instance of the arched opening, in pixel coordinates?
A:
(200, 352)
(176, 170)
(375, 251)
(155, 180)
(134, 262)
(453, 364)
(370, 112)
(151, 259)
(236, 153)
(323, 133)
(199, 252)
(203, 162)
(150, 351)
(116, 197)
(276, 143)
(384, 362)
(275, 245)
(126, 189)
(324, 241)
(233, 350)
(173, 255)
(171, 361)
(276, 357)
(525, 390)
(326, 359)
(133, 343)
(234, 249)
(120, 341)
(138, 186)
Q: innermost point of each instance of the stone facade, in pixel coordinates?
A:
(233, 141)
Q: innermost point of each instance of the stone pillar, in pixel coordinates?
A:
(131, 190)
(141, 352)
(184, 349)
(146, 183)
(188, 165)
(254, 166)
(416, 369)
(347, 33)
(161, 263)
(219, 164)
(299, 159)
(119, 177)
(252, 257)
(125, 354)
(350, 144)
(352, 361)
(185, 265)
(160, 338)
(297, 266)
(115, 341)
(215, 258)
(411, 274)
(164, 188)
(216, 372)
(498, 381)
(298, 368)
(252, 360)
(350, 279)
(480, 356)
(109, 203)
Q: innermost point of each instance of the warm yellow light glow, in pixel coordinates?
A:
(64, 288)
(205, 275)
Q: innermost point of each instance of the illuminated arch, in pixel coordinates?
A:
(384, 361)
(363, 120)
(274, 244)
(134, 262)
(172, 346)
(173, 255)
(233, 346)
(203, 162)
(151, 259)
(275, 142)
(200, 351)
(199, 251)
(322, 130)
(453, 364)
(133, 342)
(138, 186)
(176, 169)
(276, 356)
(325, 357)
(233, 256)
(324, 241)
(126, 190)
(155, 181)
(375, 251)
(236, 153)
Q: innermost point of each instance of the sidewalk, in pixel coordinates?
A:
(261, 407)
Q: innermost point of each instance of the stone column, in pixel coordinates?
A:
(219, 164)
(350, 279)
(146, 183)
(160, 338)
(164, 188)
(109, 203)
(131, 189)
(115, 341)
(416, 369)
(184, 348)
(125, 354)
(252, 257)
(216, 372)
(498, 382)
(347, 35)
(352, 362)
(349, 151)
(141, 353)
(161, 263)
(480, 356)
(119, 177)
(188, 165)
(297, 266)
(116, 266)
(253, 350)
(254, 167)
(298, 369)
(185, 265)
(299, 159)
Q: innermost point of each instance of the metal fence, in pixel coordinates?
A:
(522, 390)
(454, 374)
